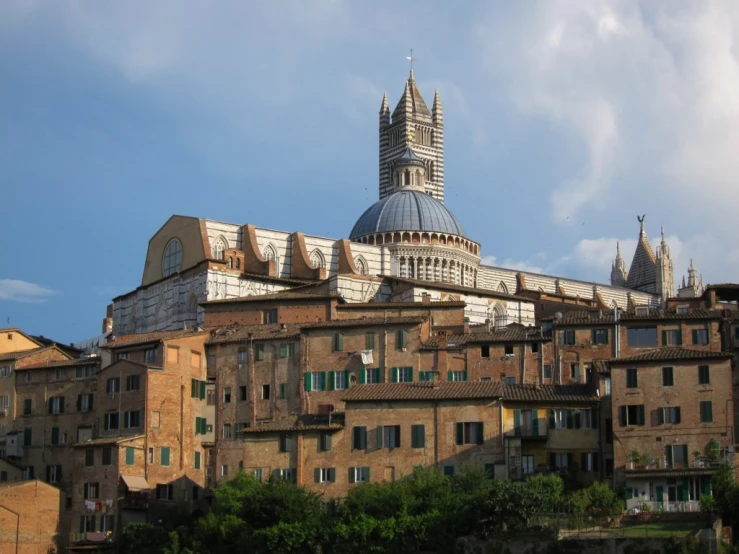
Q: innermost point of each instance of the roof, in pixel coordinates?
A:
(12, 463)
(512, 334)
(649, 473)
(606, 317)
(92, 360)
(274, 297)
(239, 333)
(107, 441)
(670, 354)
(143, 338)
(549, 393)
(643, 270)
(433, 305)
(136, 483)
(291, 427)
(10, 356)
(68, 348)
(407, 210)
(440, 285)
(365, 322)
(441, 390)
(412, 98)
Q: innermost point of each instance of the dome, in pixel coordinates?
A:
(407, 210)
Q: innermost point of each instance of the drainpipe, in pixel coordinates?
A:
(436, 434)
(616, 332)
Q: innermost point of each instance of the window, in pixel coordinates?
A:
(684, 309)
(671, 337)
(83, 372)
(257, 474)
(470, 433)
(132, 419)
(449, 471)
(428, 375)
(107, 455)
(210, 396)
(130, 456)
(338, 342)
(58, 375)
(91, 491)
(172, 260)
(165, 492)
(53, 474)
(27, 406)
(631, 415)
(197, 389)
(632, 380)
(706, 411)
(534, 347)
(402, 339)
(388, 436)
(227, 431)
(402, 374)
(667, 377)
(568, 337)
(457, 376)
(123, 355)
(241, 356)
(508, 349)
(56, 405)
(110, 421)
(150, 355)
(700, 336)
(87, 524)
(325, 475)
(265, 392)
(133, 383)
(227, 395)
(373, 375)
(359, 438)
(600, 336)
(286, 473)
(283, 391)
(484, 350)
(339, 380)
(173, 354)
(560, 461)
(150, 455)
(286, 442)
(259, 352)
(418, 436)
(239, 427)
(324, 441)
(559, 418)
(113, 385)
(359, 474)
(704, 375)
(547, 371)
(509, 380)
(609, 431)
(196, 460)
(589, 461)
(89, 457)
(242, 394)
(668, 415)
(84, 402)
(269, 316)
(5, 371)
(164, 455)
(107, 523)
(575, 371)
(315, 381)
(28, 473)
(676, 456)
(639, 337)
(369, 341)
(57, 437)
(29, 377)
(607, 386)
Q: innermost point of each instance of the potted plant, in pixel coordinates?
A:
(712, 450)
(697, 455)
(635, 458)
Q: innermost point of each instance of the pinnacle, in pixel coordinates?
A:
(384, 107)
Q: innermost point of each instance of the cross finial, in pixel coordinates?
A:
(411, 59)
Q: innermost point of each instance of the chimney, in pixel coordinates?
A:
(466, 325)
(426, 298)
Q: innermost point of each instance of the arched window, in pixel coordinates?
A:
(361, 265)
(230, 262)
(500, 316)
(317, 259)
(502, 287)
(172, 259)
(219, 248)
(269, 253)
(407, 177)
(238, 263)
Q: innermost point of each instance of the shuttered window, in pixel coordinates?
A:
(418, 436)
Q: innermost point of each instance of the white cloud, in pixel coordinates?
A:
(512, 264)
(23, 291)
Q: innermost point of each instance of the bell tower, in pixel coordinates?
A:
(412, 124)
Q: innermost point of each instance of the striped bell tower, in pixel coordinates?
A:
(412, 124)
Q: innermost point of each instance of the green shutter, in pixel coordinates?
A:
(363, 376)
(197, 460)
(660, 416)
(202, 390)
(194, 388)
(283, 390)
(570, 422)
(322, 378)
(410, 374)
(481, 435)
(664, 338)
(679, 337)
(660, 494)
(346, 378)
(641, 414)
(55, 435)
(593, 336)
(317, 475)
(283, 351)
(464, 375)
(577, 418)
(552, 423)
(395, 375)
(535, 422)
(460, 433)
(605, 335)
(369, 341)
(380, 436)
(308, 381)
(352, 471)
(668, 459)
(517, 422)
(130, 456)
(694, 333)
(332, 475)
(165, 456)
(331, 380)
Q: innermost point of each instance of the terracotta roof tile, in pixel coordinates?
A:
(143, 338)
(290, 427)
(605, 317)
(437, 304)
(274, 297)
(107, 441)
(10, 356)
(441, 390)
(511, 334)
(669, 354)
(459, 288)
(548, 393)
(365, 322)
(93, 360)
(239, 333)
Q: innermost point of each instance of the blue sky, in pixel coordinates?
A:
(564, 120)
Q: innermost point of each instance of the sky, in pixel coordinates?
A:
(563, 122)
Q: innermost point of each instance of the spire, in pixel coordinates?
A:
(641, 219)
(618, 269)
(384, 107)
(642, 272)
(411, 103)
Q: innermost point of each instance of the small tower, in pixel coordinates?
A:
(694, 287)
(664, 279)
(412, 123)
(618, 269)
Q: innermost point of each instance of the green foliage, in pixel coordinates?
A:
(597, 500)
(143, 538)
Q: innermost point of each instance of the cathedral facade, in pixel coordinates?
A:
(406, 246)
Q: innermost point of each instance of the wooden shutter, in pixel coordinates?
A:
(332, 475)
(92, 397)
(202, 390)
(50, 404)
(664, 338)
(308, 381)
(193, 388)
(535, 422)
(331, 380)
(660, 416)
(594, 417)
(79, 402)
(668, 458)
(481, 433)
(317, 475)
(352, 473)
(583, 461)
(369, 341)
(346, 378)
(677, 414)
(464, 375)
(410, 374)
(380, 436)
(622, 416)
(55, 435)
(694, 334)
(283, 351)
(552, 423)
(130, 457)
(363, 376)
(395, 375)
(577, 417)
(641, 414)
(322, 378)
(517, 422)
(570, 423)
(679, 337)
(460, 433)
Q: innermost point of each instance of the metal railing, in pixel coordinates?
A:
(582, 526)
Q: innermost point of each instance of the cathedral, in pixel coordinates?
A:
(405, 247)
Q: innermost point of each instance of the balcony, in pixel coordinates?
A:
(696, 466)
(634, 506)
(526, 433)
(133, 503)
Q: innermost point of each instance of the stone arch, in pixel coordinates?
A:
(502, 287)
(220, 245)
(361, 264)
(270, 253)
(500, 315)
(317, 259)
(406, 237)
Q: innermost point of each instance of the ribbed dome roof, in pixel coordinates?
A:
(407, 210)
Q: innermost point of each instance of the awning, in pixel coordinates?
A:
(135, 483)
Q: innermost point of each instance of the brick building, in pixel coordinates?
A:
(29, 517)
